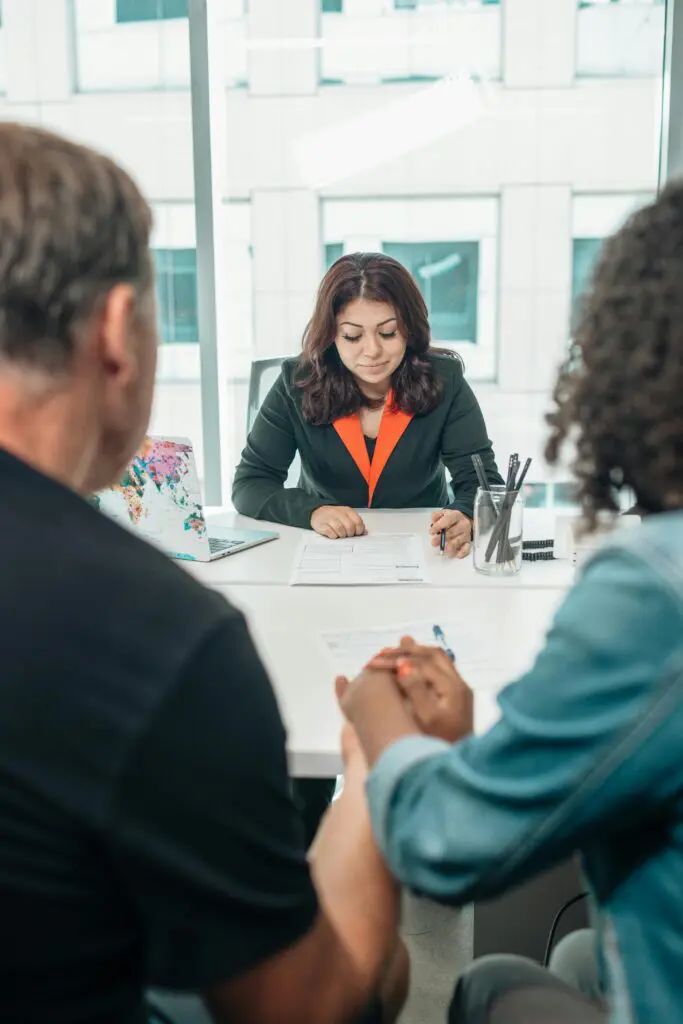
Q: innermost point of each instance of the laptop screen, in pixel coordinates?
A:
(159, 495)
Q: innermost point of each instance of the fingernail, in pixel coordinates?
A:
(404, 668)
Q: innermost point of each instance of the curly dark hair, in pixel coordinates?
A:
(329, 389)
(621, 389)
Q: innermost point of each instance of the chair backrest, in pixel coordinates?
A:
(264, 373)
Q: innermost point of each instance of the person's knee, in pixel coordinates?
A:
(484, 982)
(574, 961)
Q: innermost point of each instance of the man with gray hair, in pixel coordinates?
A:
(147, 832)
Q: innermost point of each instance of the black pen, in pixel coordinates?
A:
(442, 542)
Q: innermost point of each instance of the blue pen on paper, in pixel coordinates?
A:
(442, 542)
(441, 640)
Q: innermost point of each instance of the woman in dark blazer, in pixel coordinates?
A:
(376, 414)
(377, 417)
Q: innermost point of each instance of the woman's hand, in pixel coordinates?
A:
(336, 521)
(438, 698)
(458, 532)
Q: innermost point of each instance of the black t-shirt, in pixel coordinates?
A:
(147, 832)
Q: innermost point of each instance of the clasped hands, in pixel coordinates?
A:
(404, 691)
(338, 521)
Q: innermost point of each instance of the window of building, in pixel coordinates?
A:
(564, 495)
(624, 3)
(559, 495)
(448, 276)
(332, 6)
(151, 10)
(412, 5)
(450, 246)
(585, 252)
(536, 495)
(333, 252)
(177, 294)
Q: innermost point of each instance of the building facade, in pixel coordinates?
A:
(490, 145)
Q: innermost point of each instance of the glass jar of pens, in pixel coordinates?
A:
(499, 520)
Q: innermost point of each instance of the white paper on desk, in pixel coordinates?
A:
(350, 650)
(383, 560)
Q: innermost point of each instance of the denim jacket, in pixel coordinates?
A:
(587, 756)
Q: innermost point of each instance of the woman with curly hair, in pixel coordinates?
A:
(376, 414)
(586, 755)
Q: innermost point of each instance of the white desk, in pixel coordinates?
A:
(271, 564)
(286, 621)
(512, 614)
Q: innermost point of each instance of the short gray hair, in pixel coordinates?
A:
(72, 225)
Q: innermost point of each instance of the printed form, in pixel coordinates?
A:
(351, 649)
(384, 560)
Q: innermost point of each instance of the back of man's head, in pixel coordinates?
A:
(76, 285)
(72, 225)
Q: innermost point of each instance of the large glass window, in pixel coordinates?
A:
(467, 152)
(490, 158)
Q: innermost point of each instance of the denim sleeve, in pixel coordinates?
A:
(586, 738)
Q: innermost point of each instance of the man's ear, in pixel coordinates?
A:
(115, 333)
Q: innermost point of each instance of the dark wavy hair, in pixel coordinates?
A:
(329, 389)
(620, 393)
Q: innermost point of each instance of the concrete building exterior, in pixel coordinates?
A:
(488, 145)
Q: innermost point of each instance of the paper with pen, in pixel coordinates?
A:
(383, 560)
(350, 650)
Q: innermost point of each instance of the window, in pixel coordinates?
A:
(331, 6)
(411, 5)
(398, 41)
(448, 276)
(333, 252)
(560, 495)
(536, 495)
(151, 10)
(585, 252)
(604, 3)
(565, 495)
(620, 38)
(177, 294)
(450, 246)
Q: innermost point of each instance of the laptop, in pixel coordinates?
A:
(159, 496)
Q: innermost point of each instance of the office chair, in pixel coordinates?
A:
(264, 373)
